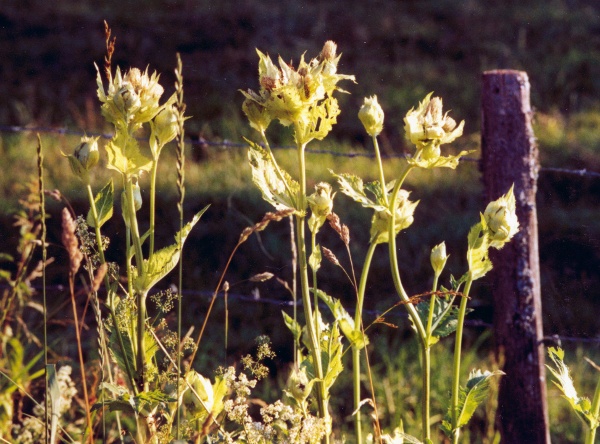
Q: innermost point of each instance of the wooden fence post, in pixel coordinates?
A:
(509, 155)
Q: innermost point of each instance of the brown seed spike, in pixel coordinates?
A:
(330, 256)
(69, 240)
(345, 234)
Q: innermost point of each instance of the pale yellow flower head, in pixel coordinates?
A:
(371, 116)
(429, 125)
(299, 96)
(501, 219)
(131, 99)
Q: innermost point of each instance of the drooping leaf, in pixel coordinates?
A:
(352, 332)
(164, 260)
(353, 187)
(103, 202)
(477, 252)
(469, 398)
(277, 186)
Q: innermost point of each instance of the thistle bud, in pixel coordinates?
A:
(371, 116)
(201, 395)
(258, 116)
(127, 100)
(328, 51)
(166, 125)
(501, 219)
(298, 386)
(321, 204)
(137, 196)
(85, 156)
(404, 218)
(87, 152)
(438, 258)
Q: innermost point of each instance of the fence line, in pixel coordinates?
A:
(551, 339)
(240, 145)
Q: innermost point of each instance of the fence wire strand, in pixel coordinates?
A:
(227, 144)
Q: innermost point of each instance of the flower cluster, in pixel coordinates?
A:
(427, 127)
(302, 97)
(132, 99)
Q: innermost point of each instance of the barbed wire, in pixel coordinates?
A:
(227, 144)
(257, 298)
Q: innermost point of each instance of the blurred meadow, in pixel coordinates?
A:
(399, 50)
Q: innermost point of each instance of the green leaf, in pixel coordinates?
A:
(315, 259)
(123, 358)
(469, 398)
(353, 187)
(124, 156)
(293, 326)
(445, 315)
(477, 252)
(164, 260)
(356, 337)
(280, 190)
(103, 202)
(331, 356)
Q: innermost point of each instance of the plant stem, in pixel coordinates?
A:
(152, 206)
(316, 313)
(312, 323)
(426, 369)
(380, 165)
(591, 434)
(414, 316)
(355, 350)
(456, 365)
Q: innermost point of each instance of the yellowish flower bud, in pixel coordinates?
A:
(137, 196)
(257, 114)
(166, 125)
(87, 152)
(329, 51)
(321, 205)
(438, 258)
(200, 396)
(404, 218)
(298, 386)
(501, 219)
(84, 157)
(371, 116)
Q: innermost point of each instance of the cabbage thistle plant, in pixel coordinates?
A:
(302, 98)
